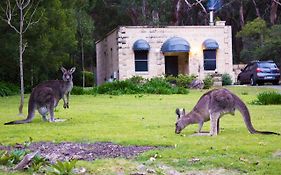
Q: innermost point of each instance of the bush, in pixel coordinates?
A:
(184, 80)
(7, 89)
(208, 82)
(76, 90)
(226, 79)
(118, 87)
(138, 85)
(137, 80)
(268, 98)
(89, 79)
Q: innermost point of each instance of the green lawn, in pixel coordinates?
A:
(149, 120)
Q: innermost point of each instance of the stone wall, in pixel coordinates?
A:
(121, 59)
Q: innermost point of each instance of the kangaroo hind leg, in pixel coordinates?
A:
(44, 112)
(214, 119)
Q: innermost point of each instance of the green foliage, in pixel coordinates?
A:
(4, 157)
(271, 49)
(89, 79)
(268, 98)
(11, 158)
(184, 80)
(226, 79)
(7, 89)
(253, 28)
(137, 85)
(137, 80)
(63, 168)
(208, 82)
(38, 164)
(181, 80)
(76, 90)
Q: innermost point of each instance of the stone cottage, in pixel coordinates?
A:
(171, 50)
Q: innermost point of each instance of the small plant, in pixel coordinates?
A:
(4, 157)
(11, 158)
(37, 165)
(226, 79)
(208, 82)
(63, 168)
(268, 98)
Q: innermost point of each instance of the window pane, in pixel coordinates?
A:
(141, 66)
(209, 59)
(140, 55)
(209, 64)
(141, 63)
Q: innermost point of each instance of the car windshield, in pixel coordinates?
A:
(267, 65)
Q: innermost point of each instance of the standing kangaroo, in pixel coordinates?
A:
(211, 106)
(46, 96)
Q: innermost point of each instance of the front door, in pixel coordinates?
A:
(171, 65)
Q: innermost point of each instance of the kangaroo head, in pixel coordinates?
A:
(179, 123)
(67, 74)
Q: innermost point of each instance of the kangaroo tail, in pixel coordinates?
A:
(18, 122)
(31, 113)
(240, 105)
(267, 132)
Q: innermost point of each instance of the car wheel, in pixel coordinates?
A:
(276, 83)
(253, 81)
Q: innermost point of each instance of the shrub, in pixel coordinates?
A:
(7, 89)
(184, 80)
(89, 79)
(118, 87)
(137, 80)
(268, 98)
(76, 90)
(208, 82)
(171, 79)
(226, 79)
(138, 85)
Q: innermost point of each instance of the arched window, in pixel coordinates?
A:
(141, 48)
(210, 47)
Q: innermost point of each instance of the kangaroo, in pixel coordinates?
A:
(46, 96)
(211, 106)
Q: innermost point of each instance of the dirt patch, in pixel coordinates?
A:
(81, 151)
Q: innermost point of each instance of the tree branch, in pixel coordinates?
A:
(277, 2)
(30, 23)
(8, 13)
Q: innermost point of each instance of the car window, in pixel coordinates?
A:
(267, 65)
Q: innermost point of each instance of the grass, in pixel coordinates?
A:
(149, 120)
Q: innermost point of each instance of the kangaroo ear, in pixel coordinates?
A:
(183, 111)
(63, 69)
(178, 113)
(72, 69)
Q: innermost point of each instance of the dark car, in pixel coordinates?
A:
(259, 72)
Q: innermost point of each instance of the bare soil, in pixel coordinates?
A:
(81, 151)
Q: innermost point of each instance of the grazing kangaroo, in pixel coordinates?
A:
(46, 96)
(211, 106)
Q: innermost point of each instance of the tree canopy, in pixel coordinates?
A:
(56, 39)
